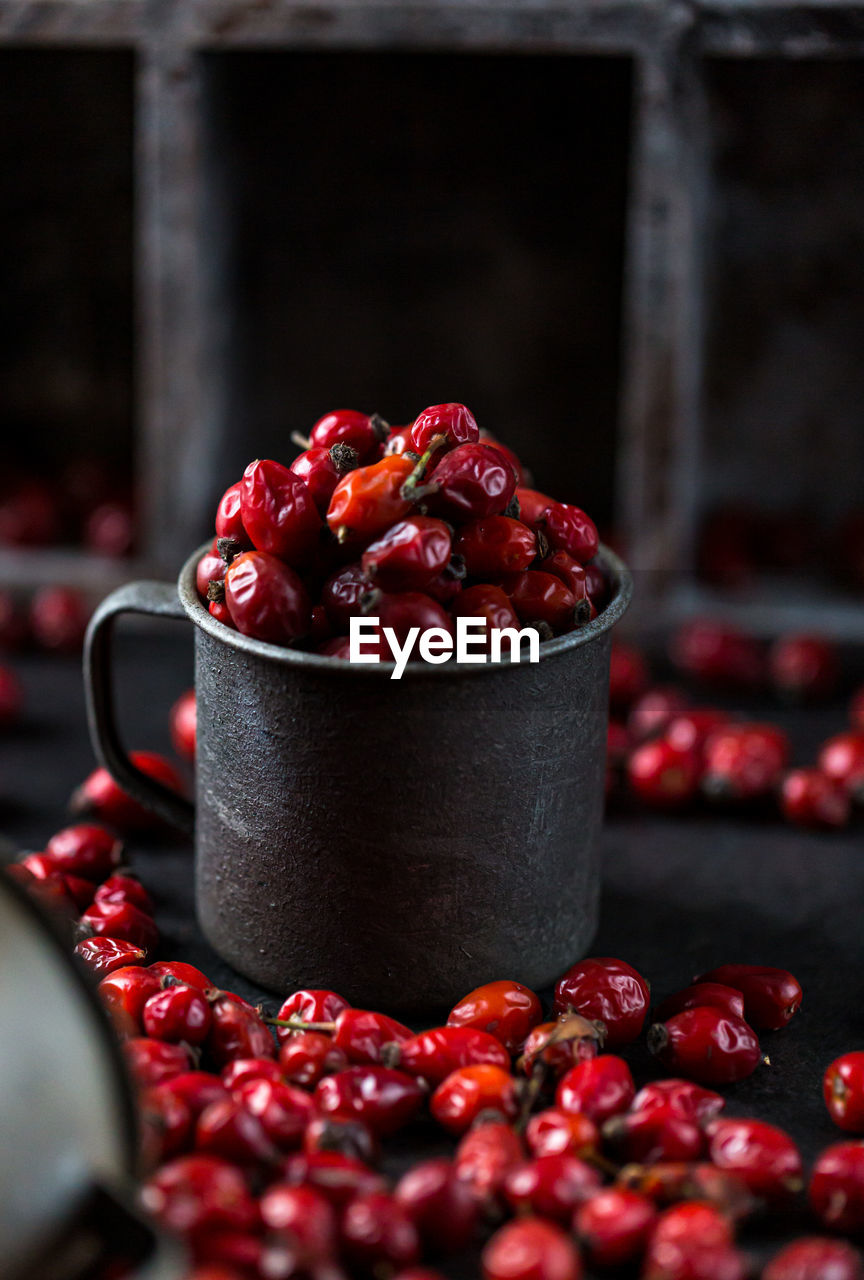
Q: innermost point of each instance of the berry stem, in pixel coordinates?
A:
(412, 489)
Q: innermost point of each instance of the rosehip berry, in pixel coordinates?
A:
(803, 667)
(363, 432)
(679, 1098)
(706, 1045)
(342, 594)
(101, 797)
(242, 1070)
(842, 759)
(485, 1156)
(266, 598)
(398, 440)
(471, 481)
(645, 1137)
(540, 597)
(104, 955)
(377, 1232)
(614, 1226)
(85, 850)
(496, 545)
(763, 1156)
(607, 990)
(506, 452)
(599, 1088)
(283, 1110)
(211, 568)
(628, 676)
(122, 920)
(152, 1062)
(381, 1097)
(278, 512)
(836, 1191)
(58, 619)
(363, 1035)
(700, 995)
(219, 610)
(668, 1183)
(124, 993)
(307, 1056)
(229, 1130)
(843, 1091)
(441, 1205)
(570, 529)
(693, 1224)
(306, 1216)
(531, 1249)
(177, 1014)
(811, 799)
(486, 601)
(653, 711)
(690, 730)
(557, 1046)
(177, 971)
(815, 1258)
(164, 1125)
(554, 1132)
(551, 1186)
(184, 725)
(570, 571)
(533, 505)
(744, 761)
(50, 891)
(229, 518)
(662, 776)
(196, 1194)
(124, 888)
(505, 1009)
(771, 996)
(197, 1089)
(321, 470)
(451, 424)
(366, 502)
(313, 1004)
(236, 1031)
(433, 1055)
(409, 555)
(11, 697)
(718, 655)
(678, 1260)
(461, 1097)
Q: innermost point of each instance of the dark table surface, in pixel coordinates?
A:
(681, 894)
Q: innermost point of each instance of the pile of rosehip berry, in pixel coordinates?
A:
(666, 752)
(413, 525)
(261, 1136)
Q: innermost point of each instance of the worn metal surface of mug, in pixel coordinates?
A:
(400, 841)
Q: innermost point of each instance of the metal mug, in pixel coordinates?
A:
(399, 840)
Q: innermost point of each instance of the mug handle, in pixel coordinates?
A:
(155, 599)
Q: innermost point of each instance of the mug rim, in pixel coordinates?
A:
(613, 566)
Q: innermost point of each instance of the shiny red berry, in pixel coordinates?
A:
(803, 667)
(85, 850)
(177, 971)
(279, 513)
(197, 1089)
(164, 1125)
(836, 1190)
(266, 598)
(236, 1031)
(471, 481)
(693, 1224)
(531, 1249)
(177, 1014)
(453, 424)
(690, 730)
(409, 555)
(554, 1132)
(377, 1232)
(662, 776)
(441, 1205)
(338, 1177)
(124, 888)
(706, 1045)
(211, 568)
(570, 529)
(763, 1156)
(533, 505)
(307, 1056)
(614, 1225)
(229, 518)
(483, 600)
(310, 1004)
(653, 711)
(321, 470)
(383, 1098)
(366, 502)
(363, 432)
(744, 762)
(843, 1091)
(195, 1194)
(680, 1098)
(507, 1010)
(842, 759)
(104, 955)
(809, 798)
(815, 1258)
(58, 619)
(432, 1055)
(681, 1260)
(122, 920)
(607, 990)
(599, 1088)
(348, 1137)
(284, 1111)
(540, 597)
(485, 1156)
(242, 1070)
(124, 993)
(555, 1047)
(645, 1137)
(100, 796)
(551, 1186)
(306, 1216)
(152, 1062)
(184, 725)
(720, 655)
(495, 545)
(771, 996)
(468, 1091)
(227, 1129)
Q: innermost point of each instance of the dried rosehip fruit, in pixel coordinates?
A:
(706, 1045)
(607, 990)
(771, 996)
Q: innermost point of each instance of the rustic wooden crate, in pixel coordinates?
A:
(191, 60)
